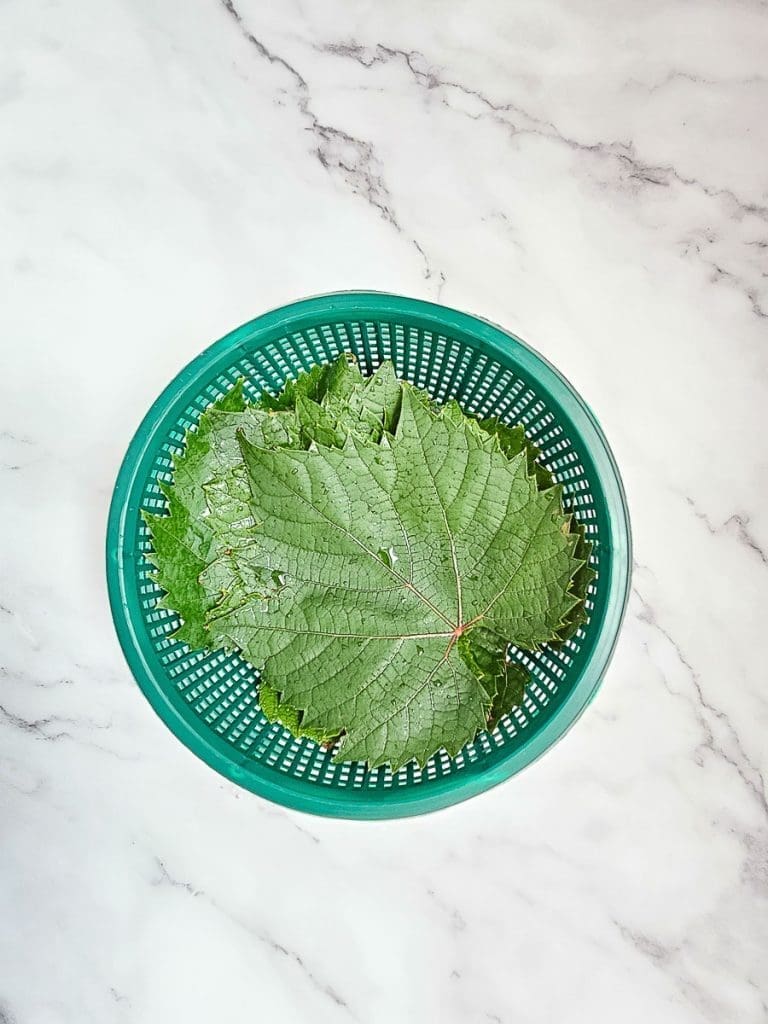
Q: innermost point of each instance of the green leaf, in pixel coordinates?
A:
(183, 544)
(513, 441)
(318, 425)
(580, 582)
(181, 552)
(276, 710)
(510, 691)
(196, 531)
(312, 385)
(366, 643)
(366, 406)
(209, 502)
(485, 652)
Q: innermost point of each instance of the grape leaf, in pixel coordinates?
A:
(485, 652)
(209, 501)
(352, 403)
(276, 710)
(196, 531)
(580, 582)
(388, 555)
(510, 690)
(181, 540)
(368, 408)
(312, 385)
(513, 440)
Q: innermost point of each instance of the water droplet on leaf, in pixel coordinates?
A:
(388, 556)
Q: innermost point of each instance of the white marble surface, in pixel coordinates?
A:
(591, 175)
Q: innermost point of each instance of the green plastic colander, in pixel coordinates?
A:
(209, 699)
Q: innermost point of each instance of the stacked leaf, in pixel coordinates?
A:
(374, 555)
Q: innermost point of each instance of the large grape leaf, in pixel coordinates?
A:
(196, 531)
(209, 513)
(387, 555)
(182, 541)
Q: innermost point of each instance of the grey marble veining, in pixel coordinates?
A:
(594, 178)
